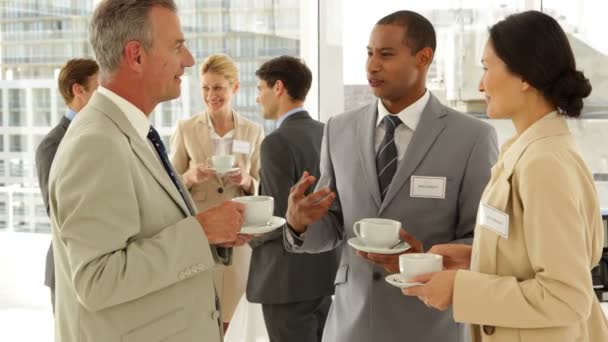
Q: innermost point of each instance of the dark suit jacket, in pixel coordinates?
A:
(275, 275)
(45, 153)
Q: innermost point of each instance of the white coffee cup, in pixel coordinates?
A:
(377, 232)
(414, 264)
(258, 209)
(222, 163)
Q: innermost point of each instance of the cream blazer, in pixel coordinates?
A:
(536, 285)
(131, 263)
(191, 144)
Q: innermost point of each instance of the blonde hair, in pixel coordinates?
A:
(222, 65)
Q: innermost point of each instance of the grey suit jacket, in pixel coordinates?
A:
(45, 153)
(275, 276)
(132, 263)
(445, 144)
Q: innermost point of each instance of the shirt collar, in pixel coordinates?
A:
(70, 114)
(410, 116)
(288, 114)
(136, 117)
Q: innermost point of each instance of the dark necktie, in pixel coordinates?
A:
(386, 158)
(157, 142)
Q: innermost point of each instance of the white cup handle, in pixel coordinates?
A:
(356, 229)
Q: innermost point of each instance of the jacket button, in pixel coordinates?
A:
(220, 190)
(488, 329)
(376, 276)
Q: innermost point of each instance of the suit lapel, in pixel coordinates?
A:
(140, 148)
(429, 128)
(366, 132)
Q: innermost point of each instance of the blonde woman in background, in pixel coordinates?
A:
(220, 131)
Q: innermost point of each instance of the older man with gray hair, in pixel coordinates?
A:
(133, 260)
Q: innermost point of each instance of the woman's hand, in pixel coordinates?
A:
(240, 178)
(196, 174)
(455, 256)
(437, 291)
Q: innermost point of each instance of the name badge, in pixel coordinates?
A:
(494, 220)
(240, 146)
(427, 187)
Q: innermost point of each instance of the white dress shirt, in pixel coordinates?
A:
(410, 116)
(136, 117)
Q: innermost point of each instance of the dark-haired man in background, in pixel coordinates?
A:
(294, 289)
(77, 81)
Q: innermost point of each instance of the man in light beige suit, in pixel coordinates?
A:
(133, 262)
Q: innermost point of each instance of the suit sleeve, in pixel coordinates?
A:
(255, 161)
(554, 230)
(277, 178)
(477, 174)
(179, 154)
(45, 153)
(96, 208)
(327, 233)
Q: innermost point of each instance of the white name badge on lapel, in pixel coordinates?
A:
(240, 146)
(427, 187)
(494, 220)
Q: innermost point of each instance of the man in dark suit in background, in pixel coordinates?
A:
(78, 79)
(294, 289)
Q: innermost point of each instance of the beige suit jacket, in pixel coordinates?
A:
(536, 285)
(132, 264)
(191, 144)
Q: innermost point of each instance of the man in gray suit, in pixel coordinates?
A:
(77, 81)
(407, 158)
(294, 289)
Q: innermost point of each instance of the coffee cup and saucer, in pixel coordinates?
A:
(258, 215)
(377, 235)
(222, 164)
(412, 265)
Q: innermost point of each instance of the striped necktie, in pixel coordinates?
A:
(386, 159)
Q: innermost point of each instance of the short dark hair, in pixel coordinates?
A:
(419, 32)
(535, 47)
(75, 71)
(292, 71)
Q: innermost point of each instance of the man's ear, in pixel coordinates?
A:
(133, 54)
(77, 89)
(424, 57)
(278, 88)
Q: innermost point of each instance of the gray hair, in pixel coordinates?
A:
(116, 22)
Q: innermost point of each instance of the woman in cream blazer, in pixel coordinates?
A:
(539, 233)
(220, 130)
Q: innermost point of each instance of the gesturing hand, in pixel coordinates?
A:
(304, 209)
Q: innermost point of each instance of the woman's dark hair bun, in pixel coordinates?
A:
(568, 91)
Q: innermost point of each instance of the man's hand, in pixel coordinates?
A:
(196, 174)
(222, 223)
(241, 239)
(303, 210)
(390, 262)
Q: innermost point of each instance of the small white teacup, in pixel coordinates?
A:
(258, 209)
(222, 163)
(377, 232)
(414, 264)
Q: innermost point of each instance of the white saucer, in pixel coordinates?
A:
(357, 244)
(274, 223)
(395, 280)
(225, 172)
